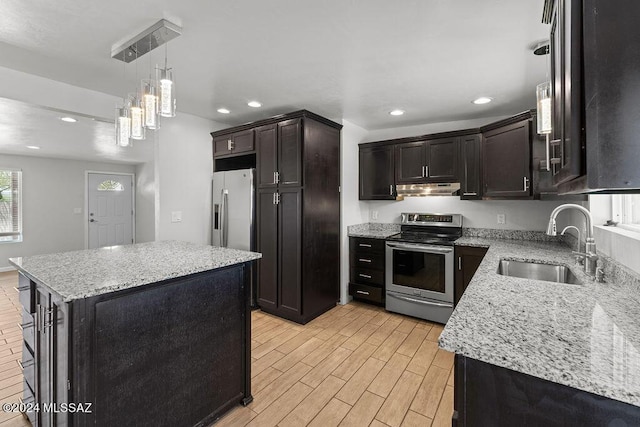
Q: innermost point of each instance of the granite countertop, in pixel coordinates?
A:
(373, 230)
(87, 273)
(583, 336)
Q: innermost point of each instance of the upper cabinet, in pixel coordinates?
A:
(427, 161)
(376, 177)
(595, 143)
(233, 143)
(279, 156)
(471, 167)
(507, 160)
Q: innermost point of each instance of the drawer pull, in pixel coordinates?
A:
(366, 276)
(469, 194)
(364, 245)
(364, 260)
(362, 292)
(28, 364)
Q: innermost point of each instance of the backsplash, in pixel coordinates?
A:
(491, 233)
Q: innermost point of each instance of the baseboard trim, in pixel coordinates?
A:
(5, 269)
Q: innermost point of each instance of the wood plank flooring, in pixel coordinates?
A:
(356, 365)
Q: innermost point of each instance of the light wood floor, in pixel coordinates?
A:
(356, 365)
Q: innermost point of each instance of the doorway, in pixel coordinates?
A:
(110, 214)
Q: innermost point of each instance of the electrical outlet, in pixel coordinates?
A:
(176, 216)
(77, 211)
(374, 214)
(502, 219)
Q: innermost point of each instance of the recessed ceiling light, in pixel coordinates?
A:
(482, 100)
(396, 112)
(254, 104)
(223, 111)
(68, 119)
(33, 147)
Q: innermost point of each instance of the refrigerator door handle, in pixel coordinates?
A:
(223, 218)
(216, 216)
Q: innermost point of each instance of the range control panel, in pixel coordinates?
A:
(451, 220)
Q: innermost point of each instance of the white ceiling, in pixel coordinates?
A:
(345, 59)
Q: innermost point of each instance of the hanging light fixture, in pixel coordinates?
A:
(156, 96)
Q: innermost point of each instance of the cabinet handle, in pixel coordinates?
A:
(555, 141)
(426, 171)
(364, 245)
(548, 150)
(274, 198)
(366, 276)
(460, 263)
(276, 177)
(391, 190)
(277, 198)
(229, 144)
(364, 260)
(526, 183)
(469, 194)
(423, 174)
(362, 292)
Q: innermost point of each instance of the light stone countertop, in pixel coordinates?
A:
(583, 336)
(373, 230)
(87, 273)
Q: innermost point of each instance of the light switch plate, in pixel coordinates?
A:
(77, 211)
(502, 219)
(176, 216)
(374, 214)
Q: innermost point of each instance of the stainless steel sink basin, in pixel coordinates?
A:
(536, 271)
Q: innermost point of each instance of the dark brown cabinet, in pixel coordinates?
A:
(468, 259)
(594, 87)
(367, 269)
(427, 161)
(298, 213)
(471, 167)
(376, 172)
(507, 159)
(233, 143)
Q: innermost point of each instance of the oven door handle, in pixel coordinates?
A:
(419, 301)
(421, 248)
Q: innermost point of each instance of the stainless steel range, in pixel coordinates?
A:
(419, 266)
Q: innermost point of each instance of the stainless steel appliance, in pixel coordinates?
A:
(419, 266)
(233, 213)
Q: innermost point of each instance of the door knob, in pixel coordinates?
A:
(92, 220)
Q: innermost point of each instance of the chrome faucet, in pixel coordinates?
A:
(589, 254)
(579, 259)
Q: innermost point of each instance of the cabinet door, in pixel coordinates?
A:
(376, 173)
(267, 156)
(442, 160)
(566, 63)
(290, 153)
(242, 141)
(507, 161)
(290, 234)
(222, 145)
(470, 167)
(268, 247)
(410, 163)
(468, 260)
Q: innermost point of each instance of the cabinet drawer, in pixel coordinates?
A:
(367, 276)
(369, 260)
(367, 293)
(28, 367)
(360, 244)
(27, 327)
(25, 291)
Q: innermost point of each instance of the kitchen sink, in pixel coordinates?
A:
(537, 271)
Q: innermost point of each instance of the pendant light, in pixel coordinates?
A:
(166, 85)
(150, 104)
(136, 112)
(123, 126)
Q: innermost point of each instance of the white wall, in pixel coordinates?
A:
(184, 168)
(51, 189)
(352, 211)
(146, 189)
(520, 214)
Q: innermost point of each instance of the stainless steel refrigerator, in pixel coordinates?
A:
(233, 213)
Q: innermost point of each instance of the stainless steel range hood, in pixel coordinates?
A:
(423, 190)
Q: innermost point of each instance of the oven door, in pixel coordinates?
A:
(420, 270)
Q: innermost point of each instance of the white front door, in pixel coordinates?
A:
(110, 209)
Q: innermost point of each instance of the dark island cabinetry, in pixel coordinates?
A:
(468, 259)
(367, 269)
(171, 353)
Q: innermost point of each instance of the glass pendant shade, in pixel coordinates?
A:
(167, 92)
(150, 104)
(123, 127)
(543, 96)
(136, 111)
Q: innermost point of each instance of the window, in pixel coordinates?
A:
(110, 185)
(10, 206)
(625, 209)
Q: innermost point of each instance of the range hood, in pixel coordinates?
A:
(422, 190)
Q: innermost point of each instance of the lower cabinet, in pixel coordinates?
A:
(367, 269)
(489, 395)
(468, 259)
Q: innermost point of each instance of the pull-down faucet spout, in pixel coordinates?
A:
(589, 255)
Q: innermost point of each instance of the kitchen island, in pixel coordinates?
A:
(531, 352)
(146, 334)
